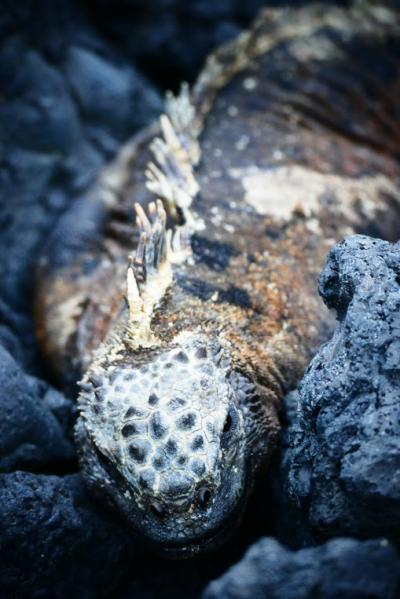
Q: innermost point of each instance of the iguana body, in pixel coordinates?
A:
(287, 143)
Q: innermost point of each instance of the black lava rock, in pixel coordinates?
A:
(341, 459)
(35, 422)
(340, 569)
(172, 37)
(55, 542)
(112, 97)
(65, 110)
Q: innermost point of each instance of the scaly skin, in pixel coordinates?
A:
(296, 123)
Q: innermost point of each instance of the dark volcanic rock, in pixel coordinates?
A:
(68, 101)
(34, 423)
(55, 542)
(110, 96)
(340, 569)
(170, 39)
(341, 461)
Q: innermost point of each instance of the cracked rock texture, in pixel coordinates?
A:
(341, 458)
(35, 421)
(173, 37)
(68, 101)
(340, 569)
(55, 542)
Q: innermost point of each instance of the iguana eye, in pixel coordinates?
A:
(231, 421)
(105, 461)
(204, 496)
(227, 424)
(228, 430)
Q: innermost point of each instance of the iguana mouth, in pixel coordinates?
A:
(207, 542)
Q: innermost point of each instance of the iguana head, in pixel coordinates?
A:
(165, 440)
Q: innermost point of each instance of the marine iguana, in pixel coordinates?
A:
(288, 141)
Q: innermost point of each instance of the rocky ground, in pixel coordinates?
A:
(340, 467)
(78, 78)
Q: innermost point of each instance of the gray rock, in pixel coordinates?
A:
(10, 322)
(35, 422)
(341, 459)
(171, 38)
(10, 342)
(66, 109)
(110, 94)
(55, 542)
(37, 112)
(25, 177)
(340, 569)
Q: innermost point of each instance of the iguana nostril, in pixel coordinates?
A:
(204, 496)
(158, 510)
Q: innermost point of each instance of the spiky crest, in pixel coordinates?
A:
(150, 271)
(170, 176)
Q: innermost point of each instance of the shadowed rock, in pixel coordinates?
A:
(341, 464)
(342, 568)
(34, 422)
(66, 109)
(54, 542)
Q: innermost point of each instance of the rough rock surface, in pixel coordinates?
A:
(340, 569)
(341, 461)
(173, 37)
(35, 422)
(55, 542)
(66, 109)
